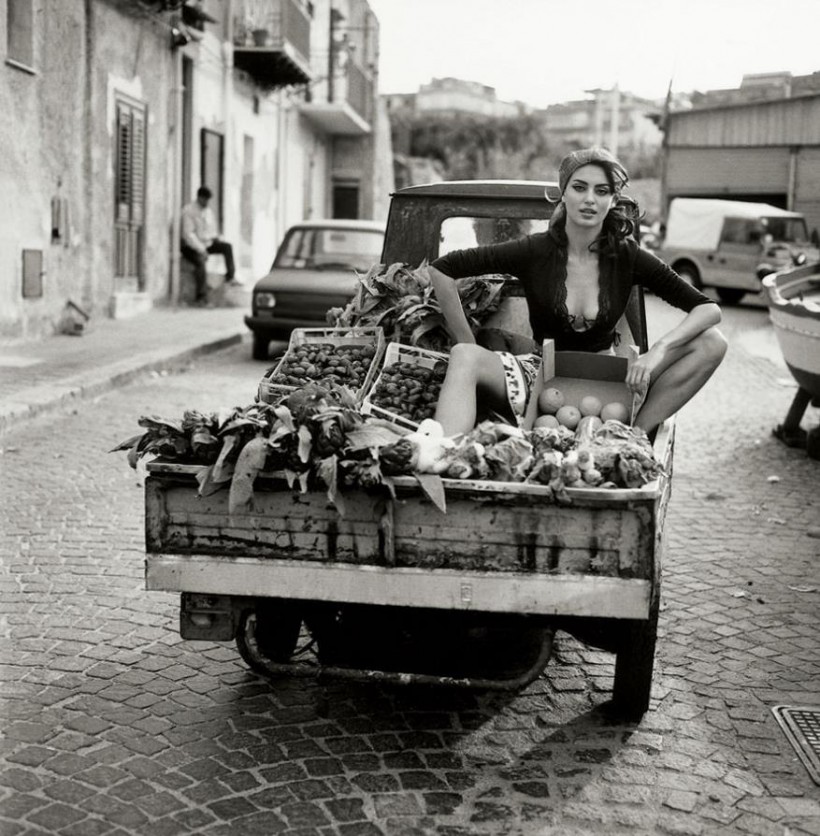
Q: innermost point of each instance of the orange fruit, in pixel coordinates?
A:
(550, 401)
(590, 405)
(568, 416)
(546, 421)
(615, 410)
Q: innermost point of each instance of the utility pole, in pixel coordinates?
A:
(615, 120)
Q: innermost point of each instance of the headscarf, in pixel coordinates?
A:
(597, 156)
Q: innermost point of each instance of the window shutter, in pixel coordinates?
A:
(138, 167)
(123, 163)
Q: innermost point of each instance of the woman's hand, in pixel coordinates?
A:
(639, 373)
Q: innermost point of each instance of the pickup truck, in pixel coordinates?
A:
(397, 590)
(732, 245)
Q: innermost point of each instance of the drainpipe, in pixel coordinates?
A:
(88, 161)
(227, 110)
(176, 177)
(792, 188)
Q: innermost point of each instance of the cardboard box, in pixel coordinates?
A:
(580, 373)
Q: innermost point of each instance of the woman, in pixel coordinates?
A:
(577, 278)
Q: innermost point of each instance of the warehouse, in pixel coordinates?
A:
(767, 151)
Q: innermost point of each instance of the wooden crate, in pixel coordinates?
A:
(399, 353)
(270, 392)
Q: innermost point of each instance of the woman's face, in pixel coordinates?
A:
(588, 197)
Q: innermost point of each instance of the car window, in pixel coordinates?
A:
(317, 248)
(358, 249)
(789, 230)
(297, 249)
(463, 232)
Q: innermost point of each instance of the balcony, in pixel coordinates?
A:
(272, 42)
(348, 110)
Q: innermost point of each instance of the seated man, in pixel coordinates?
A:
(200, 237)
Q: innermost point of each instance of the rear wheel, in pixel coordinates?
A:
(689, 273)
(261, 344)
(269, 633)
(730, 295)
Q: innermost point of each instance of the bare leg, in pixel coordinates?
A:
(471, 370)
(681, 377)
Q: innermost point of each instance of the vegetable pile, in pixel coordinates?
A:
(326, 363)
(401, 300)
(408, 390)
(317, 438)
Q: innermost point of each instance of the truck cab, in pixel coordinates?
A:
(429, 220)
(732, 245)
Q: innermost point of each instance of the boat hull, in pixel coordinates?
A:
(794, 309)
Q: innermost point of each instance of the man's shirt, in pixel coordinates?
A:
(199, 228)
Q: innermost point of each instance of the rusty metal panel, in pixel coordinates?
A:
(736, 171)
(512, 533)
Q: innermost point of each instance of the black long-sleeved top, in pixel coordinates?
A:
(539, 263)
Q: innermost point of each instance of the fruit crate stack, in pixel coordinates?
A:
(341, 356)
(407, 387)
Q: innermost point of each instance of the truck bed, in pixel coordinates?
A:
(502, 547)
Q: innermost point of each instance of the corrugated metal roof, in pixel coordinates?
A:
(749, 124)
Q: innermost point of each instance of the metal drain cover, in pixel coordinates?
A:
(801, 725)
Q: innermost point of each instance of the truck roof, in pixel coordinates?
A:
(502, 189)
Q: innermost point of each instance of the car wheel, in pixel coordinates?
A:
(261, 343)
(730, 295)
(689, 273)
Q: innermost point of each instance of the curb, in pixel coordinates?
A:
(50, 397)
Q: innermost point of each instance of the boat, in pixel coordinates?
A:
(793, 297)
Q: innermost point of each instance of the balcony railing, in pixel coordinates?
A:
(272, 41)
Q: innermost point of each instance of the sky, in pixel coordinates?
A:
(544, 51)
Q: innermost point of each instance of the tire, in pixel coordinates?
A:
(269, 633)
(634, 663)
(730, 295)
(261, 343)
(689, 273)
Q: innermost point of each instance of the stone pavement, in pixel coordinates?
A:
(37, 377)
(115, 726)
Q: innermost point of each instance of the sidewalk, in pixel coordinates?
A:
(36, 377)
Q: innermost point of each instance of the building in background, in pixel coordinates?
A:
(453, 96)
(117, 110)
(624, 123)
(759, 87)
(765, 150)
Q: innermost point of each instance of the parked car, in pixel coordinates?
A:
(732, 245)
(315, 269)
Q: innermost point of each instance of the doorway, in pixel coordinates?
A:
(346, 199)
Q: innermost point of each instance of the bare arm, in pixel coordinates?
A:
(450, 303)
(698, 320)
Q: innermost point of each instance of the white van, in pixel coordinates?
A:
(731, 245)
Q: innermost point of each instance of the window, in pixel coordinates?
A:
(459, 233)
(20, 38)
(129, 189)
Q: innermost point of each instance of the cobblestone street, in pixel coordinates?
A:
(113, 725)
